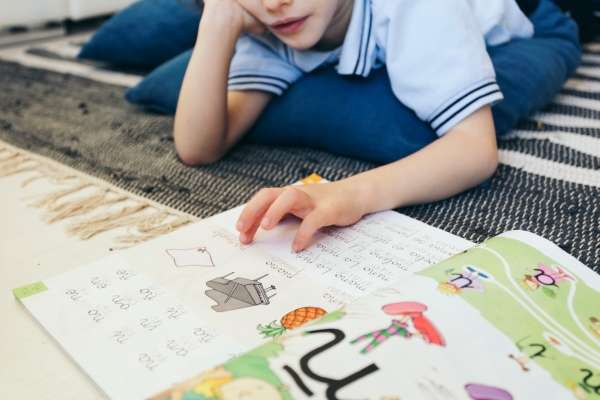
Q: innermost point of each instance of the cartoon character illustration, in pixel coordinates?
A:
(397, 328)
(470, 279)
(195, 257)
(595, 326)
(291, 320)
(547, 278)
(220, 384)
(205, 386)
(477, 391)
(233, 294)
(248, 389)
(407, 311)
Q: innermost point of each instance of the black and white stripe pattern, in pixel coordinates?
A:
(60, 55)
(472, 99)
(266, 83)
(548, 181)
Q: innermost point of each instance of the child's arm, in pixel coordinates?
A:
(462, 158)
(209, 119)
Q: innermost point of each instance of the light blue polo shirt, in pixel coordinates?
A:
(434, 51)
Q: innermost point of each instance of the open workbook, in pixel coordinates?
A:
(389, 308)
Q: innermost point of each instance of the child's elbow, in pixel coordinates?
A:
(489, 162)
(193, 153)
(196, 158)
(189, 158)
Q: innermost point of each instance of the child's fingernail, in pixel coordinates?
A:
(296, 247)
(240, 225)
(244, 238)
(265, 223)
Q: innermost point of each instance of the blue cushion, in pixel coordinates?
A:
(144, 35)
(159, 91)
(361, 117)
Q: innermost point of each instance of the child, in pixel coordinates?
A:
(435, 54)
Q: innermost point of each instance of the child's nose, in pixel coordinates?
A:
(275, 5)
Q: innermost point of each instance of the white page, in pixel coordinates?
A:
(342, 265)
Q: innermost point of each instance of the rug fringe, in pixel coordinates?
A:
(10, 156)
(149, 233)
(83, 206)
(3, 151)
(51, 199)
(16, 164)
(95, 206)
(32, 179)
(126, 217)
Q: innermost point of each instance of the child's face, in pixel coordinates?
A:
(302, 24)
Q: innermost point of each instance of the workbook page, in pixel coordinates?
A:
(156, 314)
(513, 318)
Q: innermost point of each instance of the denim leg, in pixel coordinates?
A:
(361, 118)
(531, 72)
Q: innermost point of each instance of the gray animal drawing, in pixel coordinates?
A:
(234, 294)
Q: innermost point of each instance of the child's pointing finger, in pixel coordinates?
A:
(253, 212)
(309, 226)
(291, 200)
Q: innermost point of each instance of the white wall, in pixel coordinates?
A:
(31, 12)
(79, 9)
(25, 12)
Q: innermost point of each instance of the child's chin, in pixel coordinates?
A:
(300, 42)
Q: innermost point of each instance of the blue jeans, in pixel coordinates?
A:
(361, 117)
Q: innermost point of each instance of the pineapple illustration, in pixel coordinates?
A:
(291, 320)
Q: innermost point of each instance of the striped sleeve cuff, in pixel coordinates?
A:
(264, 83)
(457, 109)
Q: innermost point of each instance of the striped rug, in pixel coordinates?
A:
(74, 113)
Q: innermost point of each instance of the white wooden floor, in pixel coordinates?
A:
(32, 365)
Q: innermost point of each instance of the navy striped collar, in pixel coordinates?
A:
(356, 55)
(358, 50)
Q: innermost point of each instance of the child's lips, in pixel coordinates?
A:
(290, 25)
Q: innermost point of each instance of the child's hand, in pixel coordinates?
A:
(233, 11)
(318, 205)
(251, 24)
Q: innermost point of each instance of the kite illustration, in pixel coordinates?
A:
(408, 313)
(233, 294)
(291, 320)
(196, 257)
